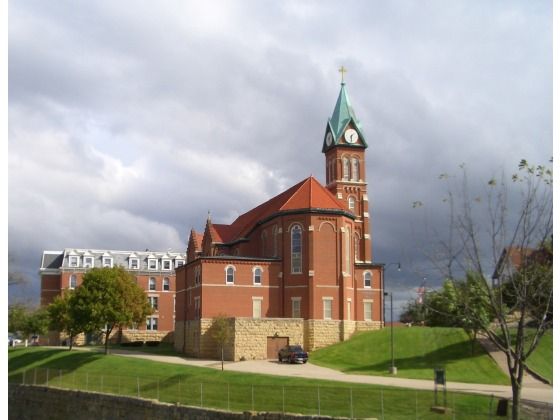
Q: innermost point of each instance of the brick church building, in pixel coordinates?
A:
(296, 269)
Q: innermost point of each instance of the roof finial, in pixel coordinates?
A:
(342, 70)
(208, 219)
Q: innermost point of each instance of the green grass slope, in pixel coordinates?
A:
(541, 359)
(188, 385)
(418, 350)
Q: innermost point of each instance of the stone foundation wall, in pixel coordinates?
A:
(248, 336)
(322, 333)
(42, 403)
(368, 325)
(251, 335)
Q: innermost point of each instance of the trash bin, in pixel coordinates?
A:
(502, 407)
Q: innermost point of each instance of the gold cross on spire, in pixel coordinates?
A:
(342, 70)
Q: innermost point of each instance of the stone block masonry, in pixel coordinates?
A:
(249, 336)
(42, 403)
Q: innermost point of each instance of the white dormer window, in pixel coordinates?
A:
(166, 264)
(179, 263)
(107, 261)
(88, 262)
(73, 261)
(133, 263)
(152, 264)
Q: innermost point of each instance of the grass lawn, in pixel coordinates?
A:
(541, 359)
(164, 349)
(418, 350)
(229, 390)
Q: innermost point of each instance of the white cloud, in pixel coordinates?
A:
(128, 121)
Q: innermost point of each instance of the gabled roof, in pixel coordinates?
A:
(343, 114)
(307, 194)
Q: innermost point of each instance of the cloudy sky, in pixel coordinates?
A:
(128, 121)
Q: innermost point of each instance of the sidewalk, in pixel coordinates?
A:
(535, 392)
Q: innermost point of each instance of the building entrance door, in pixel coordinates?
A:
(273, 344)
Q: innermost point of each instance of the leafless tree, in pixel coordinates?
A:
(507, 231)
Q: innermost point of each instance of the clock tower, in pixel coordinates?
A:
(344, 147)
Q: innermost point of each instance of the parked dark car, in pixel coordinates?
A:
(292, 354)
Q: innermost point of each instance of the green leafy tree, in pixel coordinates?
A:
(108, 298)
(414, 313)
(62, 317)
(480, 228)
(221, 333)
(17, 315)
(27, 321)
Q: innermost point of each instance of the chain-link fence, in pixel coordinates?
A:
(340, 401)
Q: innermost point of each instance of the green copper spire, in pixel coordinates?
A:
(342, 116)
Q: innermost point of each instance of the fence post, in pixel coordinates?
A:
(453, 404)
(416, 404)
(157, 398)
(351, 405)
(138, 387)
(318, 400)
(228, 396)
(252, 398)
(201, 395)
(283, 399)
(87, 381)
(101, 383)
(382, 413)
(490, 406)
(60, 378)
(23, 378)
(47, 377)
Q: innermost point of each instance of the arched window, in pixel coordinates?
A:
(367, 280)
(257, 276)
(355, 169)
(356, 247)
(230, 274)
(296, 249)
(165, 284)
(351, 204)
(275, 241)
(345, 169)
(347, 249)
(73, 282)
(263, 243)
(152, 284)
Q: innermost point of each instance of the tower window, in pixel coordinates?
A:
(296, 249)
(345, 169)
(351, 204)
(355, 169)
(356, 247)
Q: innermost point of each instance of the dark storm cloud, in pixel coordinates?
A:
(129, 121)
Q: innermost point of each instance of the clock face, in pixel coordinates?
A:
(329, 139)
(351, 136)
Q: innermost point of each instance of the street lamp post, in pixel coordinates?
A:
(392, 368)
